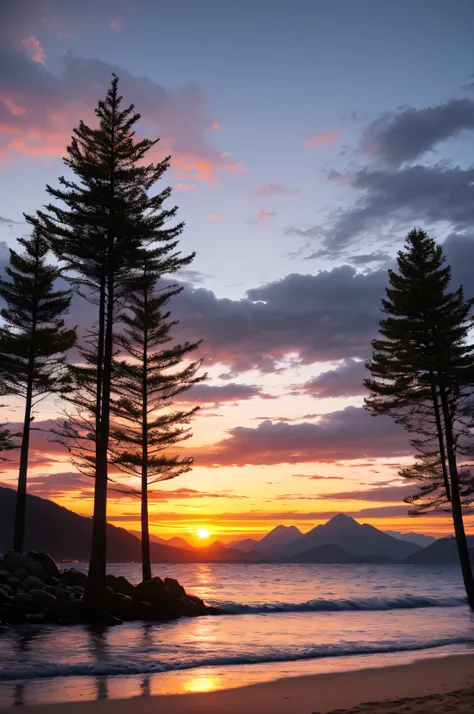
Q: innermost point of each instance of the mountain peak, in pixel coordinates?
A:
(341, 519)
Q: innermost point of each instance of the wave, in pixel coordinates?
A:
(400, 602)
(42, 670)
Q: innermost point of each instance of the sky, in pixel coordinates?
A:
(306, 139)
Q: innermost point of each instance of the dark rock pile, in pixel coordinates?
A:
(34, 590)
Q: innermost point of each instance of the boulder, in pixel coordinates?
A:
(110, 599)
(45, 600)
(174, 587)
(50, 589)
(72, 611)
(192, 606)
(8, 589)
(4, 594)
(25, 603)
(4, 575)
(20, 573)
(141, 610)
(13, 560)
(21, 565)
(63, 594)
(72, 576)
(124, 607)
(120, 584)
(152, 591)
(25, 598)
(46, 562)
(13, 582)
(32, 582)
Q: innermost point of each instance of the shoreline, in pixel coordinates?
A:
(436, 679)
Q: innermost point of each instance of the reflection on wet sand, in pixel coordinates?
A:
(202, 683)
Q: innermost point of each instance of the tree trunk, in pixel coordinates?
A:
(461, 540)
(146, 561)
(100, 356)
(439, 429)
(20, 512)
(95, 588)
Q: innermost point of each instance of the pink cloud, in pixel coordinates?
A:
(34, 49)
(213, 217)
(54, 104)
(274, 189)
(262, 219)
(265, 215)
(116, 25)
(13, 108)
(350, 433)
(215, 125)
(322, 139)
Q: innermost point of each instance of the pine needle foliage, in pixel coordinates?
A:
(422, 375)
(33, 344)
(98, 226)
(155, 371)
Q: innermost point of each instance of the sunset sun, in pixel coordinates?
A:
(203, 533)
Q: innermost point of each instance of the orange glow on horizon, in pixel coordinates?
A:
(203, 533)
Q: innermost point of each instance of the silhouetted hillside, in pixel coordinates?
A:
(67, 536)
(442, 552)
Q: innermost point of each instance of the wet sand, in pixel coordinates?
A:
(432, 686)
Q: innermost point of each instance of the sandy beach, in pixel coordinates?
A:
(435, 687)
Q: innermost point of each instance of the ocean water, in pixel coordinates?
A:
(283, 620)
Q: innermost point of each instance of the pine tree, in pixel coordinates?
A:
(97, 228)
(33, 343)
(422, 372)
(6, 442)
(145, 426)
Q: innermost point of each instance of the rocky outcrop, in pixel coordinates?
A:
(33, 589)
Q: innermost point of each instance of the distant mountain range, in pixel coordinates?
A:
(417, 538)
(67, 536)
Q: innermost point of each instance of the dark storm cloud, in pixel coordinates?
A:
(379, 494)
(393, 192)
(347, 434)
(413, 194)
(409, 133)
(360, 261)
(344, 381)
(218, 394)
(329, 316)
(76, 485)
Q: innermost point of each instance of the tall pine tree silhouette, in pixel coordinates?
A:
(422, 373)
(97, 227)
(33, 343)
(146, 427)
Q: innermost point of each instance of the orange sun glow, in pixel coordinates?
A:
(203, 533)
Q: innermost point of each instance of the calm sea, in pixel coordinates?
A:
(285, 620)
